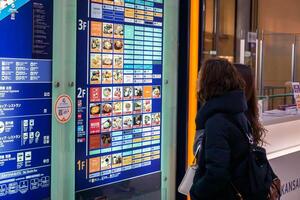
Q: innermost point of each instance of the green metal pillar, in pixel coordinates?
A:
(169, 116)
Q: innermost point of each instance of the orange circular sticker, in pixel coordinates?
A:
(63, 108)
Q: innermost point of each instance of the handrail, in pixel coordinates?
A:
(275, 96)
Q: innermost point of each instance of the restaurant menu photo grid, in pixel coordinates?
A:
(119, 90)
(25, 99)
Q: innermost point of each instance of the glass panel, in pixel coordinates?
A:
(226, 29)
(277, 62)
(208, 29)
(219, 29)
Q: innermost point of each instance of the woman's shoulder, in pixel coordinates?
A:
(217, 119)
(221, 122)
(216, 122)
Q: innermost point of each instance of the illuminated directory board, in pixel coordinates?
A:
(25, 99)
(119, 84)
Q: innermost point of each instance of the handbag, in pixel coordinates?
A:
(262, 179)
(187, 181)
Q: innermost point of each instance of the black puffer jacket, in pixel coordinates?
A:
(224, 148)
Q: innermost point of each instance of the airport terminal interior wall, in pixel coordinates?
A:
(277, 16)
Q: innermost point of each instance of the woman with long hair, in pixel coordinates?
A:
(221, 92)
(252, 113)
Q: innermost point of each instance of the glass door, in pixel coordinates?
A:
(219, 29)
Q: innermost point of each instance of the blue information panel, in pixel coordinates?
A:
(119, 82)
(25, 99)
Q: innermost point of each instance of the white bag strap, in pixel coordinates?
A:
(196, 153)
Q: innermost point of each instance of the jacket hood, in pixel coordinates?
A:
(232, 102)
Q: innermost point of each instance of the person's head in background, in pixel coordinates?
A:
(252, 113)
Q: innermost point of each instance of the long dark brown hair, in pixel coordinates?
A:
(217, 77)
(252, 112)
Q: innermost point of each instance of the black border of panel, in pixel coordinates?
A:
(182, 98)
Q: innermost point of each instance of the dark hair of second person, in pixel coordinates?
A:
(252, 112)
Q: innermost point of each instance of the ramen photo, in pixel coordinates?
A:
(118, 46)
(118, 61)
(107, 45)
(95, 45)
(107, 30)
(106, 76)
(95, 61)
(107, 61)
(95, 76)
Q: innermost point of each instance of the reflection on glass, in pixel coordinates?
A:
(277, 69)
(219, 29)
